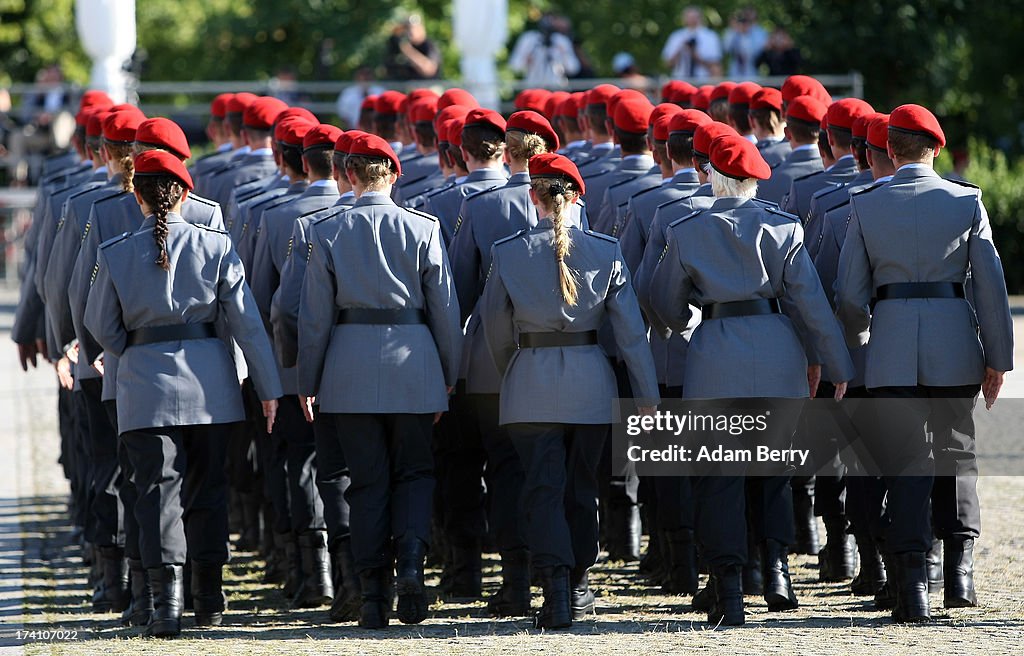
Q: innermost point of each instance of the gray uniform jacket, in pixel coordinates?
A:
(445, 205)
(922, 228)
(739, 250)
(239, 213)
(207, 164)
(249, 232)
(826, 198)
(284, 306)
(272, 243)
(799, 163)
(600, 159)
(251, 166)
(59, 162)
(248, 192)
(616, 200)
(412, 193)
(186, 382)
(110, 217)
(798, 200)
(378, 255)
(417, 168)
(774, 151)
(486, 217)
(568, 385)
(625, 169)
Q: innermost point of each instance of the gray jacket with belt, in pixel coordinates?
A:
(799, 163)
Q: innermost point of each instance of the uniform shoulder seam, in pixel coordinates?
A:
(601, 235)
(684, 218)
(430, 217)
(116, 240)
(775, 210)
(511, 237)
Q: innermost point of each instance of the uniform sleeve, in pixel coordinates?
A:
(47, 229)
(853, 284)
(217, 218)
(497, 318)
(465, 260)
(78, 292)
(789, 201)
(606, 215)
(63, 255)
(804, 294)
(316, 320)
(284, 312)
(670, 288)
(262, 275)
(243, 319)
(28, 318)
(654, 250)
(442, 305)
(103, 314)
(990, 300)
(631, 334)
(632, 241)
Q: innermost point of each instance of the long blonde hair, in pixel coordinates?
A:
(553, 194)
(521, 146)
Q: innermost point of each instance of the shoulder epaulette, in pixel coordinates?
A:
(407, 182)
(775, 210)
(808, 175)
(828, 189)
(204, 201)
(433, 192)
(963, 183)
(644, 191)
(116, 196)
(422, 214)
(514, 235)
(209, 228)
(776, 165)
(765, 203)
(672, 202)
(482, 192)
(874, 185)
(323, 215)
(116, 240)
(842, 204)
(601, 235)
(684, 218)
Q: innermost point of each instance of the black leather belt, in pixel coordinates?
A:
(556, 339)
(741, 308)
(382, 316)
(174, 333)
(919, 290)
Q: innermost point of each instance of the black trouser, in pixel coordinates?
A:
(332, 477)
(820, 431)
(619, 489)
(504, 474)
(66, 426)
(273, 454)
(126, 491)
(182, 493)
(391, 467)
(307, 510)
(673, 494)
(865, 495)
(82, 464)
(559, 500)
(243, 460)
(107, 512)
(462, 493)
(908, 418)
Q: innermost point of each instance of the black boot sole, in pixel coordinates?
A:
(164, 629)
(780, 602)
(412, 600)
(209, 619)
(346, 610)
(959, 602)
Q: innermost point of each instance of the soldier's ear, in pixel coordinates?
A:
(184, 195)
(138, 198)
(533, 197)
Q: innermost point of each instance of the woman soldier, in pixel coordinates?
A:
(167, 300)
(744, 264)
(548, 291)
(379, 342)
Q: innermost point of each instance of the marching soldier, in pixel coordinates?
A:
(234, 106)
(740, 97)
(602, 155)
(217, 131)
(257, 162)
(768, 126)
(631, 114)
(803, 124)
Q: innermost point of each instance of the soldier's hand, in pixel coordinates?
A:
(98, 365)
(72, 354)
(43, 349)
(307, 406)
(990, 388)
(63, 367)
(27, 354)
(270, 412)
(813, 378)
(840, 391)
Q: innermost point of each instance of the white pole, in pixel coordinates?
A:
(107, 31)
(480, 28)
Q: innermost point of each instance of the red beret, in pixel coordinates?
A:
(262, 112)
(344, 141)
(389, 102)
(369, 102)
(128, 107)
(300, 112)
(722, 91)
(570, 107)
(163, 133)
(861, 123)
(238, 102)
(121, 126)
(160, 162)
(455, 128)
(705, 134)
(842, 113)
(423, 110)
(219, 106)
(806, 109)
(687, 121)
(662, 113)
(804, 85)
(767, 98)
(878, 132)
(448, 113)
(614, 101)
(94, 128)
(582, 100)
(370, 145)
(678, 91)
(915, 119)
(531, 122)
(534, 99)
(743, 93)
(82, 117)
(701, 98)
(601, 94)
(553, 165)
(553, 102)
(485, 117)
(95, 98)
(291, 131)
(633, 115)
(324, 135)
(456, 97)
(422, 93)
(736, 157)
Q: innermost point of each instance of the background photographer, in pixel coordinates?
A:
(410, 54)
(546, 55)
(693, 52)
(745, 40)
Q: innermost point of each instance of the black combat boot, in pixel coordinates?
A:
(836, 560)
(778, 588)
(347, 595)
(727, 598)
(681, 568)
(555, 613)
(654, 564)
(249, 538)
(374, 585)
(806, 523)
(293, 563)
(276, 570)
(112, 594)
(208, 599)
(885, 598)
(140, 609)
(167, 584)
(464, 579)
(622, 534)
(871, 577)
(933, 559)
(753, 570)
(704, 600)
(317, 588)
(911, 589)
(513, 597)
(412, 592)
(958, 570)
(582, 595)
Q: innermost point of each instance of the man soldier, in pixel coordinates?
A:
(630, 120)
(718, 105)
(740, 97)
(768, 126)
(386, 111)
(701, 98)
(803, 123)
(567, 120)
(803, 85)
(910, 246)
(601, 156)
(234, 107)
(422, 170)
(258, 162)
(217, 130)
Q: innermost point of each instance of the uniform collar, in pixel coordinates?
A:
(172, 217)
(729, 203)
(805, 148)
(323, 183)
(844, 163)
(915, 170)
(224, 147)
(883, 179)
(517, 179)
(636, 163)
(374, 198)
(261, 152)
(688, 175)
(348, 196)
